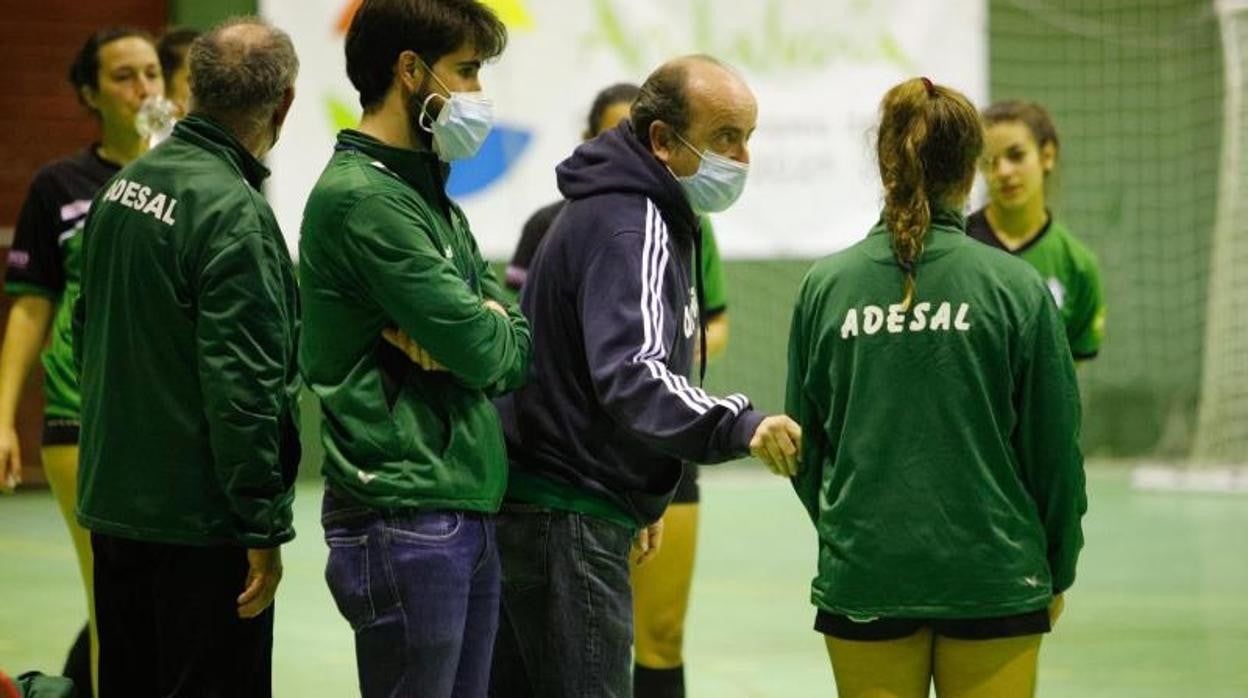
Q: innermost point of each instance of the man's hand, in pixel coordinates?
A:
(646, 544)
(777, 442)
(263, 574)
(10, 460)
(408, 346)
(496, 307)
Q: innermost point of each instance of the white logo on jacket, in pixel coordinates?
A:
(893, 320)
(691, 313)
(143, 199)
(1058, 290)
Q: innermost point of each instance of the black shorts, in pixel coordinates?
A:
(687, 489)
(880, 629)
(60, 432)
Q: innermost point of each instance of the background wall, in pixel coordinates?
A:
(205, 13)
(1134, 85)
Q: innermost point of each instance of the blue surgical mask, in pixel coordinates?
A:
(717, 184)
(462, 125)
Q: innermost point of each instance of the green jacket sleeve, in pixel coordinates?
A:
(495, 291)
(798, 405)
(78, 314)
(76, 330)
(1087, 323)
(714, 294)
(245, 341)
(1046, 439)
(394, 256)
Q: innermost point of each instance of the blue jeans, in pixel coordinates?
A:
(566, 625)
(421, 591)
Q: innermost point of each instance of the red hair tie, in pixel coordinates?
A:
(927, 85)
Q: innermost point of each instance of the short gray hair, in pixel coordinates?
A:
(240, 77)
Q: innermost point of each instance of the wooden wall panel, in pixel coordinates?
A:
(41, 120)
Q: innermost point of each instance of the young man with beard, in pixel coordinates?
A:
(414, 459)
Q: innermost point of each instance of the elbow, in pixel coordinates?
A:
(503, 378)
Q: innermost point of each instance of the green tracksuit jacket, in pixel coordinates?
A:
(941, 463)
(186, 333)
(382, 246)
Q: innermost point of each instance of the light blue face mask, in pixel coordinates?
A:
(462, 125)
(717, 184)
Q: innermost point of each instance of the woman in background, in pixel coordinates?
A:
(1020, 154)
(115, 70)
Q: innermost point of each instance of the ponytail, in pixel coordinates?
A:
(929, 139)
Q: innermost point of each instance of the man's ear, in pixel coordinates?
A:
(661, 141)
(283, 108)
(410, 70)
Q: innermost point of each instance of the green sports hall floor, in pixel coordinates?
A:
(1160, 608)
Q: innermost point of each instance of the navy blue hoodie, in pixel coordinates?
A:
(609, 412)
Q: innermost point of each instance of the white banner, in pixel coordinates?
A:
(817, 67)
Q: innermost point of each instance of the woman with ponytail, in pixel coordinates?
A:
(939, 413)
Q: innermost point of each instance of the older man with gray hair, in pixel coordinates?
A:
(186, 334)
(598, 436)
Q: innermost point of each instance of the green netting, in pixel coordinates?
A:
(1222, 434)
(1136, 89)
(760, 306)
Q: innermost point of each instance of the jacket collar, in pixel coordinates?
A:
(945, 220)
(947, 226)
(210, 135)
(421, 169)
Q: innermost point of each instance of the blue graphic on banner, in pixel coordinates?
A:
(502, 148)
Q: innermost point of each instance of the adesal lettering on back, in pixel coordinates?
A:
(140, 198)
(893, 319)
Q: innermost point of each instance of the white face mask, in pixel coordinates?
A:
(462, 125)
(717, 184)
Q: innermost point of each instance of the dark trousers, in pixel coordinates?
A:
(566, 624)
(168, 622)
(420, 590)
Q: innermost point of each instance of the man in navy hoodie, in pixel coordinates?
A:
(597, 438)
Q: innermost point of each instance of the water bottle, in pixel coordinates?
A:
(155, 119)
